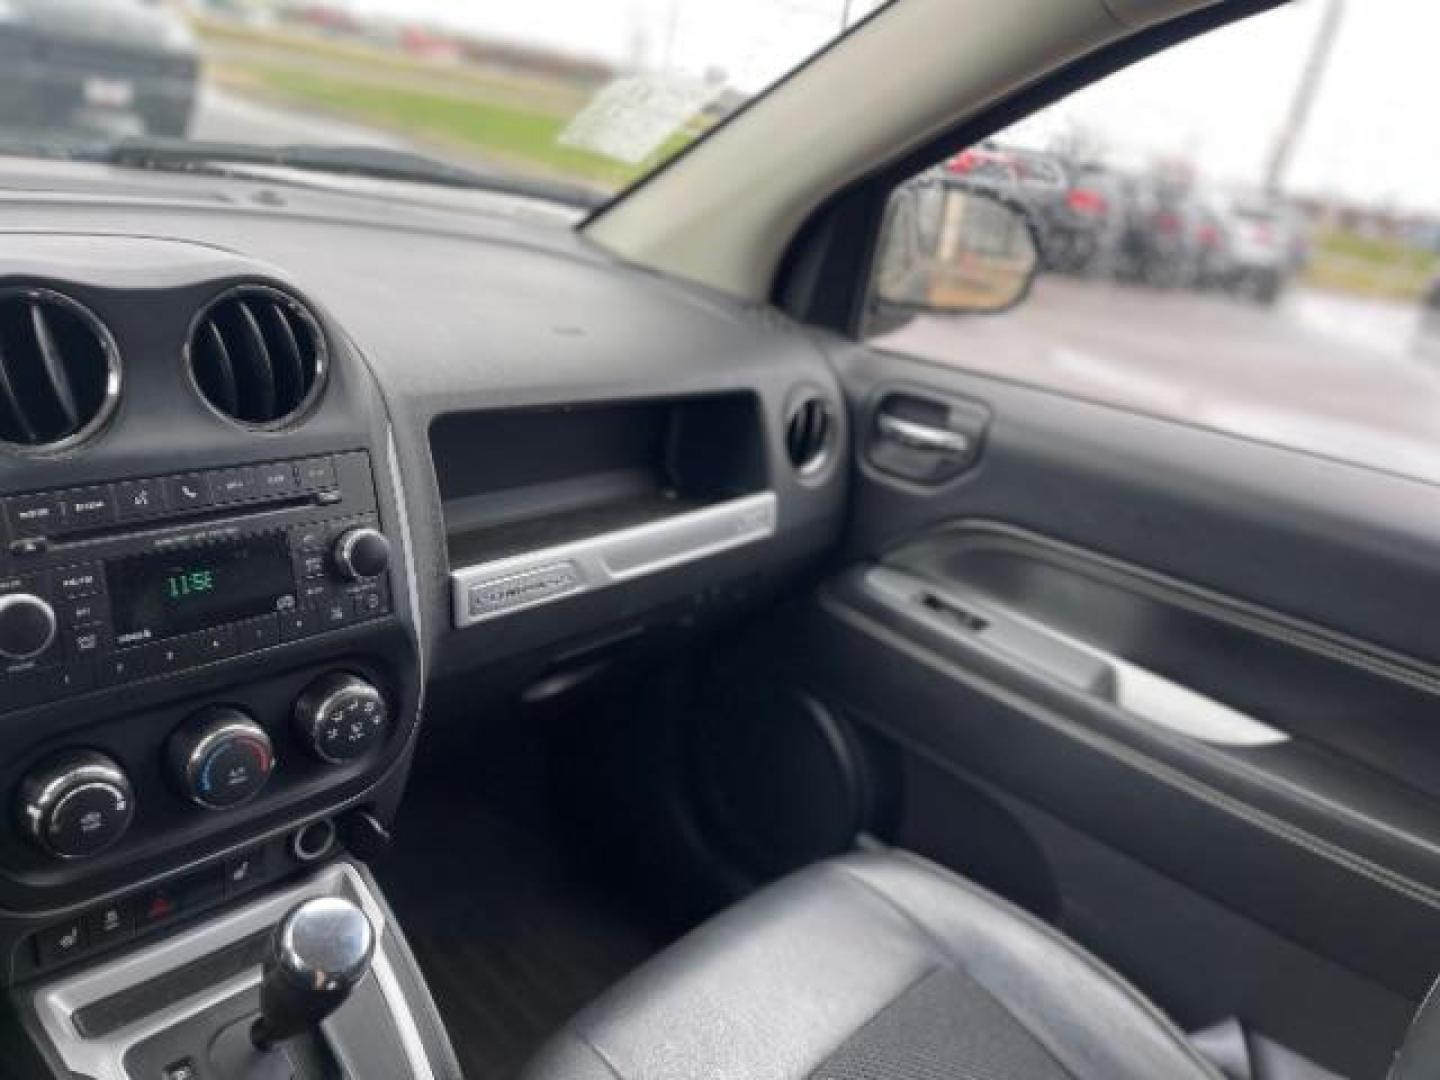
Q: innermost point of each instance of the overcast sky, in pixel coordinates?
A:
(1217, 101)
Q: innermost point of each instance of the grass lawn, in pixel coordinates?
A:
(502, 130)
(1371, 266)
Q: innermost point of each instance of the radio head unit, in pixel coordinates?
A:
(174, 572)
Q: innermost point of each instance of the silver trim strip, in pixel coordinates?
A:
(113, 375)
(301, 310)
(503, 586)
(1140, 692)
(922, 436)
(104, 1059)
(407, 555)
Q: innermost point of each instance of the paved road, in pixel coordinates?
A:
(1337, 376)
(1344, 377)
(223, 117)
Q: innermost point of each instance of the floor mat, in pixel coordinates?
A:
(513, 933)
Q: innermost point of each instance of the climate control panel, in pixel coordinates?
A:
(78, 803)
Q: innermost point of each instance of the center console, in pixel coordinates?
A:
(210, 671)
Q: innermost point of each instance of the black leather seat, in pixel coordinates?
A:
(872, 967)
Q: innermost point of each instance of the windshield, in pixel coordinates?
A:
(586, 93)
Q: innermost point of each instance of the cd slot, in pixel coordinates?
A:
(192, 520)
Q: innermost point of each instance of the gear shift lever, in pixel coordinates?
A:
(318, 954)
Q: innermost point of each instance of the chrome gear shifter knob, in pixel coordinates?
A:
(318, 954)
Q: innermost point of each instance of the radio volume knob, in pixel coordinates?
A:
(78, 804)
(27, 626)
(361, 553)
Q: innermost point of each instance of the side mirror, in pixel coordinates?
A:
(950, 249)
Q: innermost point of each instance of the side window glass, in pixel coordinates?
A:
(1242, 232)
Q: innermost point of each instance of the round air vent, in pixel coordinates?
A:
(258, 357)
(59, 371)
(809, 430)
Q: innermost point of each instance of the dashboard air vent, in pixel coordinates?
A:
(59, 371)
(808, 431)
(258, 357)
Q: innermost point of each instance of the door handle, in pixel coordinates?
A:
(922, 436)
(926, 438)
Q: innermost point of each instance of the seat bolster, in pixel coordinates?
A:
(1087, 1015)
(772, 988)
(569, 1057)
(765, 991)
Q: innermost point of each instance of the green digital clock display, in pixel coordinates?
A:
(161, 594)
(189, 583)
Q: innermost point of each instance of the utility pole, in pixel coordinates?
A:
(1305, 94)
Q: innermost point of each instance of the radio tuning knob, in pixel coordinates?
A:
(361, 553)
(27, 626)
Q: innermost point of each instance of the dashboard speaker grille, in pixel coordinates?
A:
(59, 371)
(258, 357)
(809, 428)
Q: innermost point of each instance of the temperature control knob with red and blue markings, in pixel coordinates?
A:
(221, 757)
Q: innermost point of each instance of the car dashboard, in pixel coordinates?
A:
(284, 459)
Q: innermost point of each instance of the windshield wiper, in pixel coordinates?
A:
(183, 155)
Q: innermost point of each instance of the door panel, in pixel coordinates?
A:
(1212, 657)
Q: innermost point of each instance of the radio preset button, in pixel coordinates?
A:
(87, 508)
(216, 643)
(74, 678)
(79, 582)
(22, 689)
(259, 633)
(120, 668)
(139, 499)
(163, 657)
(187, 492)
(36, 515)
(298, 623)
